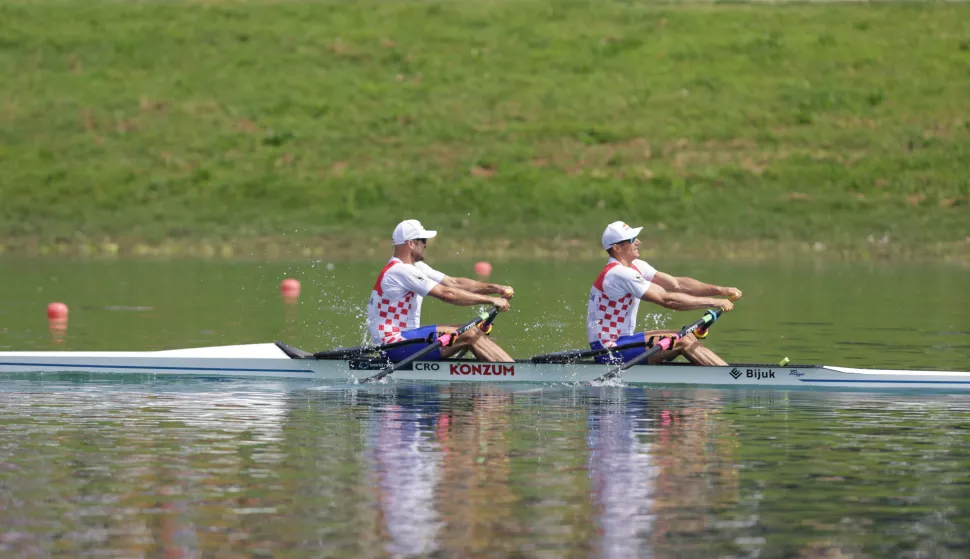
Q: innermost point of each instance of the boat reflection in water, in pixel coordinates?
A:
(406, 464)
(623, 474)
(477, 470)
(174, 469)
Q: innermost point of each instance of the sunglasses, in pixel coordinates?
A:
(631, 241)
(422, 241)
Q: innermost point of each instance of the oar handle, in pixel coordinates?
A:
(487, 325)
(482, 320)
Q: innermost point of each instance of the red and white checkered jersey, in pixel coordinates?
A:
(614, 300)
(395, 302)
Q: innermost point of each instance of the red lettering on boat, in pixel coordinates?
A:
(486, 370)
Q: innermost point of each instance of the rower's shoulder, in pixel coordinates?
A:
(621, 271)
(643, 265)
(425, 267)
(397, 269)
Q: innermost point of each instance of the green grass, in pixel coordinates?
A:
(508, 118)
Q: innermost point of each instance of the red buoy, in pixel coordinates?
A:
(290, 287)
(57, 311)
(483, 269)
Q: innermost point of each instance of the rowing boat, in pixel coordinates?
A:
(280, 361)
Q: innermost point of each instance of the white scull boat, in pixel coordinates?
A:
(271, 361)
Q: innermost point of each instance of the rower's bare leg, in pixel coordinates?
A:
(481, 345)
(688, 346)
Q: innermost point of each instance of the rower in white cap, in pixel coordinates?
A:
(394, 311)
(625, 281)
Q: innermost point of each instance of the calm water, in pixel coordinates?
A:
(904, 315)
(100, 466)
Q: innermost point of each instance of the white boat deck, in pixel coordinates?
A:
(266, 360)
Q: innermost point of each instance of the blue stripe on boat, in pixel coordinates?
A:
(889, 381)
(148, 367)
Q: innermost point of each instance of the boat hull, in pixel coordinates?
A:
(268, 361)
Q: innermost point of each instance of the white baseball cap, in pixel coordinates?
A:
(410, 230)
(617, 232)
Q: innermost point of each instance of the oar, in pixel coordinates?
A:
(573, 354)
(443, 340)
(663, 344)
(343, 352)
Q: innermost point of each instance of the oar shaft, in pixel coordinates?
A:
(663, 344)
(438, 343)
(667, 343)
(443, 340)
(583, 353)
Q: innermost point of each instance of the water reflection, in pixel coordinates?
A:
(92, 467)
(58, 330)
(623, 472)
(402, 453)
(95, 466)
(477, 499)
(450, 474)
(658, 469)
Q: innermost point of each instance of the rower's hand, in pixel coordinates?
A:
(506, 291)
(501, 304)
(732, 293)
(726, 305)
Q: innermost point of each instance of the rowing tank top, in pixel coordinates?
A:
(395, 302)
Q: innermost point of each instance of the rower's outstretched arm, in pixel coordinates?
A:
(691, 286)
(457, 296)
(479, 287)
(682, 301)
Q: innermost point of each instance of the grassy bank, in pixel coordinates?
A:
(468, 249)
(175, 123)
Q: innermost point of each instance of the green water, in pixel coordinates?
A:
(101, 466)
(879, 315)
